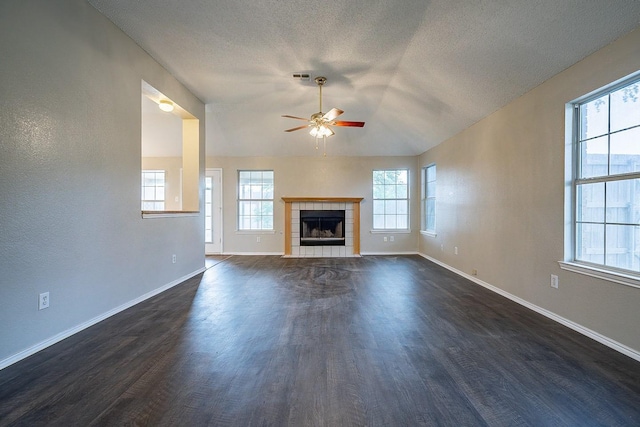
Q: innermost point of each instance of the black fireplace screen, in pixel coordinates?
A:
(320, 228)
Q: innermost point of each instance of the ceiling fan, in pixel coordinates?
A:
(320, 123)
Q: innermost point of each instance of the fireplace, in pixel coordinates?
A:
(322, 227)
(347, 245)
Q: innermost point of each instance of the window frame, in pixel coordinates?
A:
(425, 197)
(240, 200)
(574, 179)
(406, 229)
(155, 187)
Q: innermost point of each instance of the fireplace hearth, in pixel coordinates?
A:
(322, 228)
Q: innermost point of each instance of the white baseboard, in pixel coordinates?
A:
(628, 351)
(69, 332)
(390, 253)
(254, 253)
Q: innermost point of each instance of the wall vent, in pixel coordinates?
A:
(301, 76)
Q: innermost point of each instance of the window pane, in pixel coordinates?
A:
(623, 201)
(378, 191)
(431, 173)
(625, 107)
(431, 189)
(389, 191)
(378, 207)
(267, 208)
(402, 207)
(623, 246)
(244, 208)
(590, 243)
(402, 222)
(160, 193)
(390, 177)
(149, 193)
(594, 156)
(402, 177)
(590, 202)
(267, 223)
(208, 236)
(378, 177)
(390, 221)
(245, 223)
(625, 151)
(594, 118)
(431, 207)
(378, 221)
(401, 191)
(390, 207)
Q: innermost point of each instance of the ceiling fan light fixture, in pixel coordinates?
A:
(320, 130)
(165, 105)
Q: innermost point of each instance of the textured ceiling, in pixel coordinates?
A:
(416, 71)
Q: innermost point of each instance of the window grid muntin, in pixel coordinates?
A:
(255, 199)
(153, 181)
(607, 225)
(389, 192)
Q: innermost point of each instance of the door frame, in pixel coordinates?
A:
(215, 248)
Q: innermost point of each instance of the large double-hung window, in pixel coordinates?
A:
(606, 182)
(255, 200)
(391, 199)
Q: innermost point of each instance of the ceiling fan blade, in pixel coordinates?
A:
(294, 117)
(298, 128)
(332, 114)
(352, 124)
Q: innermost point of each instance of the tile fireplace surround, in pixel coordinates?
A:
(293, 205)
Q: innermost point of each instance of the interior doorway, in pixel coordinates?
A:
(213, 212)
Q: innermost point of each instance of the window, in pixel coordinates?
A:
(429, 198)
(153, 190)
(391, 199)
(208, 209)
(255, 200)
(606, 182)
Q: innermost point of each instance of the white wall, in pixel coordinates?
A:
(500, 199)
(70, 124)
(316, 177)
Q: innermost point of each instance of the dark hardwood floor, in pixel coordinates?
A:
(372, 341)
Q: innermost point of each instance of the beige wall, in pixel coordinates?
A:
(70, 154)
(500, 199)
(315, 177)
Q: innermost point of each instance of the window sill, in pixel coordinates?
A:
(390, 231)
(429, 233)
(599, 273)
(168, 214)
(255, 231)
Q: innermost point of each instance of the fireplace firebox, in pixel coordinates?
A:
(322, 228)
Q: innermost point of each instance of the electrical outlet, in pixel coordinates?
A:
(43, 301)
(173, 258)
(554, 281)
(258, 239)
(455, 250)
(442, 248)
(474, 272)
(384, 239)
(391, 238)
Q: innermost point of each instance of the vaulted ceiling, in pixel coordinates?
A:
(416, 71)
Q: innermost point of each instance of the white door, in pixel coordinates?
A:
(213, 212)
